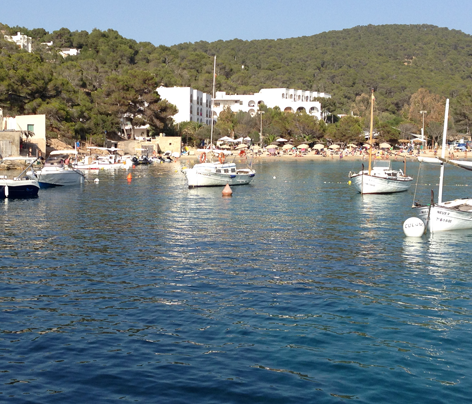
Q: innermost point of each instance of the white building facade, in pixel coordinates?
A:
(287, 99)
(33, 125)
(23, 41)
(193, 105)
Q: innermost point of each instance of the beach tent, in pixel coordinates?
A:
(318, 146)
(225, 139)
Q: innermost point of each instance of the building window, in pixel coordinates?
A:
(30, 128)
(283, 96)
(291, 96)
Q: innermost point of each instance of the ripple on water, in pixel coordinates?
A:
(296, 288)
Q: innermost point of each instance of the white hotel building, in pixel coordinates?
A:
(287, 99)
(193, 105)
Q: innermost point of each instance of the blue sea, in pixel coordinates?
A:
(294, 290)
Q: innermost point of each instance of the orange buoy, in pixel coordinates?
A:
(129, 177)
(227, 191)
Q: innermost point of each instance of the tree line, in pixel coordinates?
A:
(412, 68)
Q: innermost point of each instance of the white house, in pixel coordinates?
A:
(64, 52)
(192, 105)
(23, 41)
(33, 125)
(288, 100)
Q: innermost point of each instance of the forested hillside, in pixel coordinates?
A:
(410, 67)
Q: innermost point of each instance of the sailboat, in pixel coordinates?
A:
(381, 178)
(450, 215)
(216, 173)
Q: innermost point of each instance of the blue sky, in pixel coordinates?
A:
(176, 21)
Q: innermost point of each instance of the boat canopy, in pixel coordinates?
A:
(63, 152)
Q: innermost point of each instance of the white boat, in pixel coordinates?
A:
(22, 186)
(451, 215)
(109, 162)
(381, 179)
(58, 170)
(214, 174)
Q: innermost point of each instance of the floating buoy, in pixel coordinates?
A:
(349, 182)
(413, 227)
(6, 191)
(227, 191)
(129, 177)
(96, 180)
(134, 166)
(275, 177)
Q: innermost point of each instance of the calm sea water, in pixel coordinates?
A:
(296, 289)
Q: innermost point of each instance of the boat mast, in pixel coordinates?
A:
(212, 102)
(443, 153)
(371, 129)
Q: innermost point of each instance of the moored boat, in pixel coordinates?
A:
(450, 215)
(22, 186)
(213, 174)
(381, 178)
(58, 170)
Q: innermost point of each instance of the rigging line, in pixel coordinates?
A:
(416, 186)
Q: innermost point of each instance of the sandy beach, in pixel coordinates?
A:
(336, 156)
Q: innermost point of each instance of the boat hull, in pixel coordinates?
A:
(54, 178)
(18, 189)
(206, 175)
(370, 184)
(447, 216)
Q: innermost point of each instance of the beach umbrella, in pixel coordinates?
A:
(302, 146)
(403, 141)
(241, 146)
(334, 146)
(367, 146)
(241, 139)
(384, 146)
(351, 145)
(280, 139)
(417, 141)
(255, 147)
(318, 146)
(224, 147)
(272, 146)
(287, 146)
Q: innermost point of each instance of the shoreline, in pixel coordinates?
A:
(311, 156)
